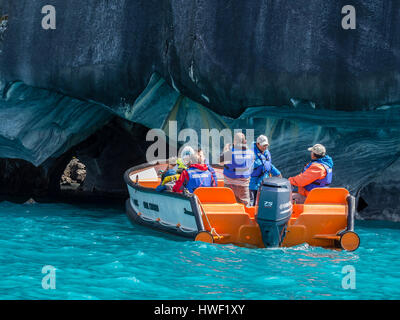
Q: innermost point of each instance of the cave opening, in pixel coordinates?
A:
(73, 176)
(361, 204)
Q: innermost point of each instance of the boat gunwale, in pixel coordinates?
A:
(191, 197)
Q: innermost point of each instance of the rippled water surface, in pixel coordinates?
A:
(98, 254)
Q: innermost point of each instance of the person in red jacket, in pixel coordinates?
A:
(198, 174)
(316, 174)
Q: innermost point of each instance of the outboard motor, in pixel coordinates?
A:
(274, 210)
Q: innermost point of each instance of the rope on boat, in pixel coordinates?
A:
(187, 231)
(166, 224)
(146, 218)
(212, 229)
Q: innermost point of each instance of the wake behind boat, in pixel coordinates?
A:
(212, 215)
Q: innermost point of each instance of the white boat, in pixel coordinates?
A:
(176, 213)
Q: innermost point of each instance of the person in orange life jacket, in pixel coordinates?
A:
(262, 167)
(238, 161)
(316, 174)
(196, 175)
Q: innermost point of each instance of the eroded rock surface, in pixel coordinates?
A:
(226, 55)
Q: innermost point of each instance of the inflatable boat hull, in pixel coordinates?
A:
(173, 213)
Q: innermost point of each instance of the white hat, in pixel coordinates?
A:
(172, 161)
(262, 140)
(186, 153)
(318, 149)
(239, 139)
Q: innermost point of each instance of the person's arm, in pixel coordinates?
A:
(275, 172)
(181, 182)
(214, 176)
(314, 172)
(226, 156)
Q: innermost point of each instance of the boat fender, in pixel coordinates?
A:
(204, 236)
(349, 240)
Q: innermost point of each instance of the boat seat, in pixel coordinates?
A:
(215, 195)
(322, 201)
(221, 208)
(332, 209)
(326, 201)
(226, 218)
(327, 196)
(150, 183)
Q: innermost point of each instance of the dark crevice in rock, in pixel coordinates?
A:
(19, 179)
(106, 154)
(379, 199)
(361, 204)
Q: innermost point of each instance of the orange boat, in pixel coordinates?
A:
(212, 215)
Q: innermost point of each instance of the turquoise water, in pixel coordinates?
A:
(98, 254)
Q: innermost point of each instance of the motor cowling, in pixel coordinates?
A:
(274, 210)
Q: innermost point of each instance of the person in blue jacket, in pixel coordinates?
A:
(262, 167)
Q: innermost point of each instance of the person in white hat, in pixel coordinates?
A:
(197, 175)
(262, 167)
(316, 174)
(186, 153)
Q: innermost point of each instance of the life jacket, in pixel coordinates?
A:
(171, 178)
(198, 178)
(168, 176)
(320, 183)
(241, 165)
(265, 159)
(180, 164)
(168, 173)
